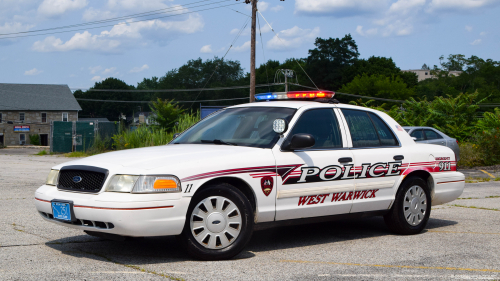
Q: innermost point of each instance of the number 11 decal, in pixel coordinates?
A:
(188, 188)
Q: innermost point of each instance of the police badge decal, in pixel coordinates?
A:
(267, 184)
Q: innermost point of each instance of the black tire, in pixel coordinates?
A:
(199, 251)
(396, 219)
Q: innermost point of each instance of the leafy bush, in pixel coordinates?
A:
(34, 139)
(152, 136)
(166, 113)
(470, 155)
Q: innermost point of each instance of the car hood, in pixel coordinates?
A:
(171, 158)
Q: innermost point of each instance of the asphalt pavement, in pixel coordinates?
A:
(461, 242)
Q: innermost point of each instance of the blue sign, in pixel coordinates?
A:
(61, 211)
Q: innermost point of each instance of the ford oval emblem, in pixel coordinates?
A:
(77, 179)
(216, 222)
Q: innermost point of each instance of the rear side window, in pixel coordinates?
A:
(368, 130)
(419, 134)
(431, 135)
(322, 124)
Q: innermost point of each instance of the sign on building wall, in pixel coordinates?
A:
(23, 128)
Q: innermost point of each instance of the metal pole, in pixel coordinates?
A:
(252, 51)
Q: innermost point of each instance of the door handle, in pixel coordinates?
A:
(345, 159)
(399, 157)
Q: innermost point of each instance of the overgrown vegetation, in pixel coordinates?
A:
(34, 139)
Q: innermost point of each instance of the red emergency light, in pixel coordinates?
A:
(310, 94)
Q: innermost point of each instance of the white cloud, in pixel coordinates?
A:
(120, 35)
(339, 8)
(369, 32)
(33, 71)
(242, 48)
(460, 5)
(277, 8)
(51, 8)
(476, 42)
(96, 78)
(92, 14)
(483, 33)
(206, 49)
(13, 27)
(137, 5)
(95, 69)
(404, 7)
(109, 70)
(234, 31)
(468, 28)
(292, 38)
(139, 69)
(261, 6)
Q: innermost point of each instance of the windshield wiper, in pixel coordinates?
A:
(218, 142)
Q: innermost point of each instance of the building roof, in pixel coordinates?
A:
(37, 97)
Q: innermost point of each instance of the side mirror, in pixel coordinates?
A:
(414, 138)
(176, 135)
(300, 141)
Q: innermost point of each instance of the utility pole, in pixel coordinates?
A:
(252, 50)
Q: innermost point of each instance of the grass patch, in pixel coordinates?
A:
(496, 196)
(476, 179)
(76, 154)
(474, 207)
(44, 152)
(497, 179)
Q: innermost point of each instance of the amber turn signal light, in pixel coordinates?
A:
(164, 184)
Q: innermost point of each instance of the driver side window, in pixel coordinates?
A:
(322, 124)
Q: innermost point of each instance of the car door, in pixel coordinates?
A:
(419, 135)
(434, 137)
(315, 181)
(378, 160)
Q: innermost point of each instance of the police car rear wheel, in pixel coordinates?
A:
(411, 209)
(219, 223)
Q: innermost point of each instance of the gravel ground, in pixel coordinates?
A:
(461, 242)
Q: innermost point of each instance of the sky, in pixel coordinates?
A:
(131, 47)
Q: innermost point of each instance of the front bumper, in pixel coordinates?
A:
(126, 214)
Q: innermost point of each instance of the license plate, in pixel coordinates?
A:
(61, 211)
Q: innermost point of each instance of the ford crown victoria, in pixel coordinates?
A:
(256, 165)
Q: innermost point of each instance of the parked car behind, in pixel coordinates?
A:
(432, 136)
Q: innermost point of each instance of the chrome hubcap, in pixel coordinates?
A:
(415, 205)
(215, 222)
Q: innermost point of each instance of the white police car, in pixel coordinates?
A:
(255, 165)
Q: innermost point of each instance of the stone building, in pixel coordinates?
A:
(29, 109)
(423, 74)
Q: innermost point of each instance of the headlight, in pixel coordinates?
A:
(52, 178)
(122, 183)
(157, 184)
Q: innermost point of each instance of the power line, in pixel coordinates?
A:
(144, 14)
(183, 90)
(130, 22)
(182, 101)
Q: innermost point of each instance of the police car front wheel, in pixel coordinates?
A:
(411, 209)
(219, 223)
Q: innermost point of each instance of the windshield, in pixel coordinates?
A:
(243, 126)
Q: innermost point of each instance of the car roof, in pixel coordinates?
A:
(301, 104)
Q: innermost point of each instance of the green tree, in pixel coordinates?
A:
(326, 62)
(166, 113)
(110, 110)
(378, 85)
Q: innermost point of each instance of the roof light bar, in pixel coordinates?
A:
(310, 94)
(295, 95)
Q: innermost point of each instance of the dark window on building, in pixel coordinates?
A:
(22, 139)
(65, 116)
(368, 130)
(432, 135)
(426, 73)
(21, 116)
(322, 124)
(44, 117)
(1, 118)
